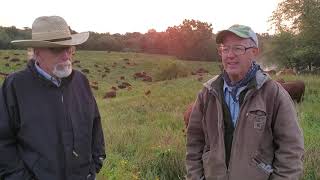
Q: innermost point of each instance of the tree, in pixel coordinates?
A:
(7, 34)
(155, 42)
(300, 21)
(191, 40)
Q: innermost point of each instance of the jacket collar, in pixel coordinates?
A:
(32, 68)
(216, 83)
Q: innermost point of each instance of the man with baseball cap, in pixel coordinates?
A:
(50, 126)
(243, 124)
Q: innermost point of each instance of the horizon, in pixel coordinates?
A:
(122, 16)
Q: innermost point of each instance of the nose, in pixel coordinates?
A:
(230, 53)
(66, 54)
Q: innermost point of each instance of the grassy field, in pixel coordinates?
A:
(143, 125)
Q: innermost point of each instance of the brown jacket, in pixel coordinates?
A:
(267, 141)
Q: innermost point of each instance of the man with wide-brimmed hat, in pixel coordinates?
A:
(243, 125)
(50, 126)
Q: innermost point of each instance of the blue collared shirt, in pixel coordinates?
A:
(57, 82)
(234, 106)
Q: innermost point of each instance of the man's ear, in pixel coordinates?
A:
(256, 52)
(36, 51)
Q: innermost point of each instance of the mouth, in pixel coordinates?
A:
(232, 64)
(63, 65)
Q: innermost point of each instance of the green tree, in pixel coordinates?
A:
(7, 34)
(191, 40)
(297, 24)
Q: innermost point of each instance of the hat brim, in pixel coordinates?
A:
(222, 34)
(76, 39)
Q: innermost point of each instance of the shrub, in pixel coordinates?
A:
(171, 70)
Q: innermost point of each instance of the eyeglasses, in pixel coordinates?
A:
(58, 50)
(237, 49)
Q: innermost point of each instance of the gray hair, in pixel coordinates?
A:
(251, 43)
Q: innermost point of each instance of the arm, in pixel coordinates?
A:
(288, 140)
(11, 166)
(98, 145)
(195, 142)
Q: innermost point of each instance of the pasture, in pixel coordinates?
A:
(143, 124)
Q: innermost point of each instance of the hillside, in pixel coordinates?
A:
(143, 124)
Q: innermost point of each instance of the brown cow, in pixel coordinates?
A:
(295, 89)
(4, 74)
(110, 94)
(280, 80)
(186, 114)
(286, 72)
(271, 72)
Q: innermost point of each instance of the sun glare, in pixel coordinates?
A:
(121, 16)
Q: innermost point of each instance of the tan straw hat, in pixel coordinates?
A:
(52, 31)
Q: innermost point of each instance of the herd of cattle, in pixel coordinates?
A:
(294, 88)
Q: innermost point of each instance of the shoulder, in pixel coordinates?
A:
(274, 86)
(79, 77)
(209, 84)
(80, 81)
(273, 90)
(16, 78)
(79, 74)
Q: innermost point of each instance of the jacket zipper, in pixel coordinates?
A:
(62, 102)
(235, 133)
(75, 154)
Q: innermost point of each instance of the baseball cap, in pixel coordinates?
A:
(239, 30)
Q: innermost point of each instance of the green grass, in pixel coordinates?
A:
(144, 133)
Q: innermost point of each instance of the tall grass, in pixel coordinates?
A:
(144, 133)
(172, 70)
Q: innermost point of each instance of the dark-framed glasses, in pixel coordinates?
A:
(236, 49)
(58, 50)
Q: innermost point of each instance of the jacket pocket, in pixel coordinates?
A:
(260, 169)
(206, 164)
(42, 169)
(213, 167)
(255, 128)
(23, 174)
(92, 171)
(257, 119)
(91, 176)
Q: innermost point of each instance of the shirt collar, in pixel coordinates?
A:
(229, 89)
(54, 80)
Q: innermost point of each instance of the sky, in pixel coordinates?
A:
(121, 16)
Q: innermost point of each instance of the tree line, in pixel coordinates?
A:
(192, 40)
(295, 44)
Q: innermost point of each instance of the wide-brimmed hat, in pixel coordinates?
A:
(52, 31)
(239, 30)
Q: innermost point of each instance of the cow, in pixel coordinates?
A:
(110, 94)
(286, 72)
(271, 72)
(295, 89)
(280, 80)
(4, 74)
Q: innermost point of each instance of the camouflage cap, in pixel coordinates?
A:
(239, 30)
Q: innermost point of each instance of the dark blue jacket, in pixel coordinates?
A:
(49, 132)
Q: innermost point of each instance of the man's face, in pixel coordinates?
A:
(55, 61)
(237, 55)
